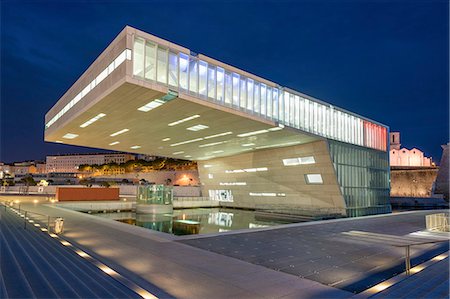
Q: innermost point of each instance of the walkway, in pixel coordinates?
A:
(432, 282)
(34, 265)
(319, 251)
(179, 270)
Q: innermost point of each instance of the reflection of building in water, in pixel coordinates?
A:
(221, 218)
(405, 157)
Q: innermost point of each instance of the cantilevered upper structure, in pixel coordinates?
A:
(258, 144)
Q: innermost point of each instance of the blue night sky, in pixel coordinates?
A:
(386, 60)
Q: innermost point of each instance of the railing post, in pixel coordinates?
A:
(19, 207)
(48, 224)
(407, 260)
(25, 219)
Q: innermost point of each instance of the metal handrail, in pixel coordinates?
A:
(298, 209)
(38, 218)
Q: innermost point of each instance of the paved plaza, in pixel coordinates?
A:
(319, 251)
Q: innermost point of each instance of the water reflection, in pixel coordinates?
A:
(197, 221)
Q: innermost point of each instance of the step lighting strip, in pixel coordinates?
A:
(114, 274)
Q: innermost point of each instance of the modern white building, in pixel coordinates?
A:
(258, 144)
(70, 163)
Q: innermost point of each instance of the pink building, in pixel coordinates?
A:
(404, 157)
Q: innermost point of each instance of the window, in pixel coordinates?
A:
(162, 65)
(173, 69)
(150, 61)
(211, 82)
(221, 195)
(184, 60)
(228, 88)
(313, 178)
(138, 59)
(220, 84)
(193, 75)
(249, 94)
(202, 71)
(299, 161)
(236, 79)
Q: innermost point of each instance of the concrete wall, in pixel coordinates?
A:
(180, 177)
(86, 194)
(125, 190)
(287, 182)
(442, 180)
(412, 182)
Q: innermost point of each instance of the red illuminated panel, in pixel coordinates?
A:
(375, 136)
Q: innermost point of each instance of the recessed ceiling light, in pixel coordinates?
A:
(114, 143)
(150, 106)
(166, 139)
(188, 156)
(135, 146)
(70, 136)
(58, 141)
(119, 132)
(183, 120)
(248, 144)
(92, 120)
(217, 152)
(197, 128)
(252, 133)
(218, 135)
(187, 141)
(177, 153)
(212, 144)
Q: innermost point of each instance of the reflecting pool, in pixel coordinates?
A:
(198, 221)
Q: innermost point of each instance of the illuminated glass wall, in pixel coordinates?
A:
(190, 75)
(363, 175)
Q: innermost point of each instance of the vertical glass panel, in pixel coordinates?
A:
(297, 111)
(161, 67)
(286, 107)
(256, 98)
(275, 103)
(150, 61)
(184, 62)
(220, 84)
(202, 77)
(316, 119)
(269, 101)
(211, 82)
(193, 75)
(291, 110)
(228, 88)
(250, 94)
(138, 57)
(263, 105)
(302, 113)
(236, 79)
(281, 106)
(307, 115)
(243, 93)
(173, 69)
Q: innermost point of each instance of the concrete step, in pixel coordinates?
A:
(35, 265)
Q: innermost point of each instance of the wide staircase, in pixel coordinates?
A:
(35, 265)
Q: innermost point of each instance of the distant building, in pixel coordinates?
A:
(70, 163)
(18, 170)
(405, 157)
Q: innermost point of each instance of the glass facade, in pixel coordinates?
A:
(363, 175)
(190, 75)
(154, 194)
(125, 55)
